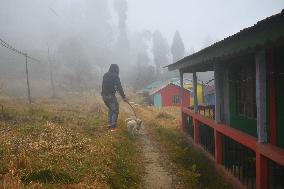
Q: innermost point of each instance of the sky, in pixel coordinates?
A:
(35, 26)
(199, 20)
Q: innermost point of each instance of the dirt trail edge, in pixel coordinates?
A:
(157, 175)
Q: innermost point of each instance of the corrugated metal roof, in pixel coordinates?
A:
(265, 33)
(154, 91)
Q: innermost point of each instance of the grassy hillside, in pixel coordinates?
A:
(63, 144)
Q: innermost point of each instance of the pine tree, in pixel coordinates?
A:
(177, 47)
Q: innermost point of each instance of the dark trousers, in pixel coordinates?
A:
(113, 109)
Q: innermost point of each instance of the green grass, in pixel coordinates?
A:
(193, 168)
(127, 156)
(48, 176)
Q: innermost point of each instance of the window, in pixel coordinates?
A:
(245, 91)
(175, 100)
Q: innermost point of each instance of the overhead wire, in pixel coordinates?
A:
(11, 48)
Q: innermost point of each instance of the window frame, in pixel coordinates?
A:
(245, 94)
(175, 99)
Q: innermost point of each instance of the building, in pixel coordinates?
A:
(150, 87)
(209, 95)
(169, 95)
(247, 135)
(188, 84)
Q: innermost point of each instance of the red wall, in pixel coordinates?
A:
(169, 91)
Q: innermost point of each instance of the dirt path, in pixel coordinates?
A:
(157, 175)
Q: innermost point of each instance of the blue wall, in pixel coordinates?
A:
(210, 99)
(157, 100)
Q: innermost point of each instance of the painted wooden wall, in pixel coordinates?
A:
(247, 125)
(157, 100)
(199, 93)
(279, 78)
(209, 99)
(172, 90)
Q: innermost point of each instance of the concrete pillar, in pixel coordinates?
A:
(260, 63)
(195, 92)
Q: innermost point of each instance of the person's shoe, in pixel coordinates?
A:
(113, 129)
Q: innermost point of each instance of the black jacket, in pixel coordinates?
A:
(111, 82)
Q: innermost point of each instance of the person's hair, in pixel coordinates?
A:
(114, 68)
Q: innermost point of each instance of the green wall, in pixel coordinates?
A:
(247, 125)
(279, 61)
(244, 124)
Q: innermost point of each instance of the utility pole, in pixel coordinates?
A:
(28, 82)
(51, 75)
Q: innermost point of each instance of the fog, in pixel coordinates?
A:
(77, 40)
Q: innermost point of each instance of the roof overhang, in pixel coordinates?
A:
(265, 34)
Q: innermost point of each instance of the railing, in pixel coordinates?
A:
(240, 161)
(206, 138)
(240, 153)
(207, 111)
(189, 125)
(276, 175)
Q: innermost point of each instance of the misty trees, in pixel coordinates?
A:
(178, 52)
(177, 47)
(143, 73)
(161, 51)
(77, 70)
(85, 38)
(121, 7)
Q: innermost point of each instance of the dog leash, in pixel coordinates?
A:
(132, 109)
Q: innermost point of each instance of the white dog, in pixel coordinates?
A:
(133, 125)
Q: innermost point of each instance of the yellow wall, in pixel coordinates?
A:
(199, 93)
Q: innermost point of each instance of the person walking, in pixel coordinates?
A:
(111, 84)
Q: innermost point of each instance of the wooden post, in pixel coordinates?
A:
(196, 131)
(260, 62)
(218, 147)
(195, 92)
(261, 172)
(28, 82)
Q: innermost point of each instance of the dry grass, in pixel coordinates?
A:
(64, 143)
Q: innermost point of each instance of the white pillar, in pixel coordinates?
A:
(260, 63)
(195, 92)
(226, 98)
(181, 89)
(218, 93)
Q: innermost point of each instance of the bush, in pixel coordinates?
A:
(164, 115)
(48, 176)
